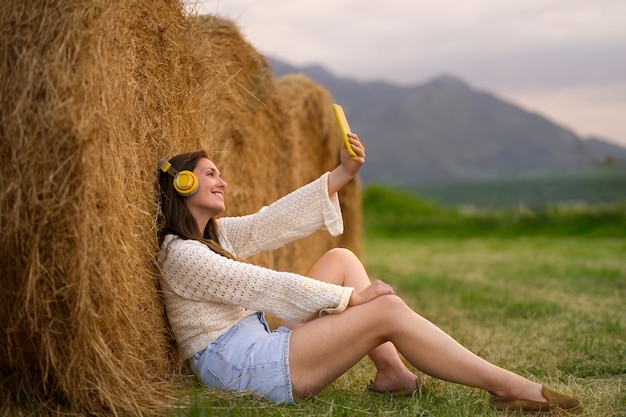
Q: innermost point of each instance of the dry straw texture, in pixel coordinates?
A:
(94, 94)
(268, 136)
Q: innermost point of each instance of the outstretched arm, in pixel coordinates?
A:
(348, 167)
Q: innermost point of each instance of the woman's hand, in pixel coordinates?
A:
(353, 164)
(374, 290)
(349, 166)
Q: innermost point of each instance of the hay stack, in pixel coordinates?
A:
(317, 142)
(269, 136)
(93, 95)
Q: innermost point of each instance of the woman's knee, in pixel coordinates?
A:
(341, 254)
(387, 308)
(332, 266)
(391, 302)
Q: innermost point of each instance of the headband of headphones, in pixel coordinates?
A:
(185, 182)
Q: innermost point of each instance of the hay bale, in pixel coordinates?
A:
(241, 118)
(270, 136)
(98, 92)
(317, 141)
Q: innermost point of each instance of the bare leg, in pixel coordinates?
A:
(341, 340)
(342, 267)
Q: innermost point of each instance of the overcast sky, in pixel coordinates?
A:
(565, 59)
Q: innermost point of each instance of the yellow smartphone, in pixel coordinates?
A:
(344, 127)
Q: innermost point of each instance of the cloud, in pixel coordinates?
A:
(526, 49)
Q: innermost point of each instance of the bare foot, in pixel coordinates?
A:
(405, 382)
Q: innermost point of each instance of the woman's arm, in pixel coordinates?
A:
(310, 208)
(195, 273)
(292, 217)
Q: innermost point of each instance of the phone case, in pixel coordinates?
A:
(344, 127)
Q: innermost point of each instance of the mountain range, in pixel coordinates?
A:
(445, 130)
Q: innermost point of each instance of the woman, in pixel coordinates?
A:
(334, 316)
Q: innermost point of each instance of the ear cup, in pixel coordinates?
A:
(186, 183)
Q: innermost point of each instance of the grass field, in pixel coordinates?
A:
(552, 309)
(400, 213)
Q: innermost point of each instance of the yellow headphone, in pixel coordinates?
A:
(185, 182)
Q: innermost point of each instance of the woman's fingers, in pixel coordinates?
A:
(375, 290)
(357, 145)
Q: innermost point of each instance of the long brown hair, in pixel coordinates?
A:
(175, 216)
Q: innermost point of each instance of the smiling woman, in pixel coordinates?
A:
(208, 202)
(196, 211)
(216, 303)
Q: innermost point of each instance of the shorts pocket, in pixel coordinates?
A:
(217, 372)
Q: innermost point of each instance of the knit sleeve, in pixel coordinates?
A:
(294, 216)
(194, 272)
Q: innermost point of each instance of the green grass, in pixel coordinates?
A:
(401, 213)
(550, 308)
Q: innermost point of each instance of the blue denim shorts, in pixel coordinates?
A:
(248, 358)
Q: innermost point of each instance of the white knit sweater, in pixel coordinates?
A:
(205, 293)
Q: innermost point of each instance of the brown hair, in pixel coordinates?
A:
(175, 216)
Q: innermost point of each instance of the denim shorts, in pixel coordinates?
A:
(248, 358)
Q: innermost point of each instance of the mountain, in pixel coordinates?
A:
(606, 151)
(445, 130)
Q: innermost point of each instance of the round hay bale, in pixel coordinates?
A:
(97, 91)
(270, 136)
(318, 142)
(241, 119)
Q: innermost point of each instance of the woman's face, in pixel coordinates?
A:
(209, 200)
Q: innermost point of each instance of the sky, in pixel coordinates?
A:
(563, 59)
